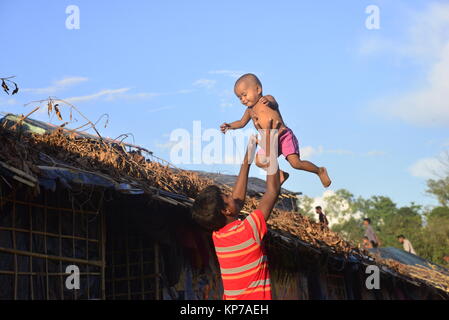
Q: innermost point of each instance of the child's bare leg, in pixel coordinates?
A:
(261, 162)
(299, 164)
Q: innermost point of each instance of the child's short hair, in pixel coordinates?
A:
(249, 77)
(206, 209)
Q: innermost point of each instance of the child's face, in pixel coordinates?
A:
(248, 93)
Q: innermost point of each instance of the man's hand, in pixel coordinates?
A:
(269, 101)
(265, 101)
(225, 127)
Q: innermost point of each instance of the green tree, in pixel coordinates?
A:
(405, 221)
(350, 230)
(436, 234)
(439, 189)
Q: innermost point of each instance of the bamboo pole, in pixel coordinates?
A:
(48, 207)
(103, 253)
(47, 290)
(51, 257)
(14, 248)
(156, 269)
(42, 233)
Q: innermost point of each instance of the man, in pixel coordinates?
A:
(238, 243)
(369, 233)
(321, 216)
(407, 244)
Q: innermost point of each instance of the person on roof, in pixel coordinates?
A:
(407, 244)
(369, 233)
(321, 216)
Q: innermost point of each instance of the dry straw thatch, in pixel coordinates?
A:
(26, 151)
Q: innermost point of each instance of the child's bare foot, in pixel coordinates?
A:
(283, 176)
(325, 180)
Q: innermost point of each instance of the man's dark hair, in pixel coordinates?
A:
(206, 209)
(366, 238)
(318, 207)
(401, 236)
(367, 219)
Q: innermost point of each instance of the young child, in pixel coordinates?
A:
(238, 243)
(248, 89)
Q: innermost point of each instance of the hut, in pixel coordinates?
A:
(121, 217)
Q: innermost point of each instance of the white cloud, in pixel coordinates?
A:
(109, 94)
(427, 41)
(309, 151)
(205, 83)
(230, 73)
(427, 168)
(123, 93)
(57, 86)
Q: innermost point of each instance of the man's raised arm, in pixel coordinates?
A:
(240, 186)
(273, 187)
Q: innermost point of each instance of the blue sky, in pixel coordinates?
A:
(370, 105)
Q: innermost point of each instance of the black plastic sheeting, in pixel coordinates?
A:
(49, 176)
(404, 257)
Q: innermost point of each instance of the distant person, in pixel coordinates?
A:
(369, 233)
(407, 244)
(321, 216)
(366, 244)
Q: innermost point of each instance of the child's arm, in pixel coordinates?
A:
(273, 188)
(236, 124)
(269, 101)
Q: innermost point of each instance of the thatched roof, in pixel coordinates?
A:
(46, 150)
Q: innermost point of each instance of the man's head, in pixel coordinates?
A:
(366, 222)
(248, 89)
(318, 209)
(212, 206)
(365, 240)
(401, 238)
(446, 259)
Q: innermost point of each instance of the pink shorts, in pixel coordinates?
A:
(287, 145)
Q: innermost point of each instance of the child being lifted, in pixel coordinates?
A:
(261, 109)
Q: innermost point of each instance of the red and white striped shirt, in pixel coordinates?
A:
(242, 259)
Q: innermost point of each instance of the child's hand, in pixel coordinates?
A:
(225, 127)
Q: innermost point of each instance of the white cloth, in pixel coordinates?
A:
(408, 246)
